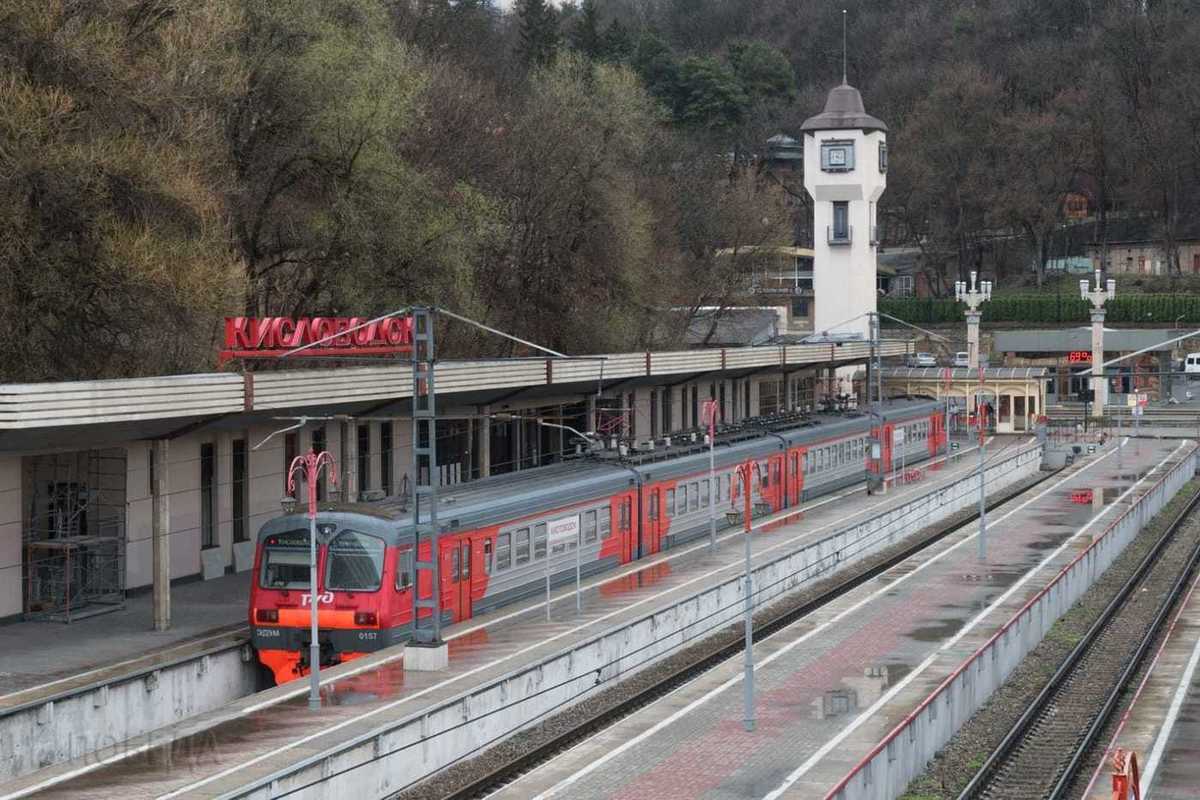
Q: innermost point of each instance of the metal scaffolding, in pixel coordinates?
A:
(74, 534)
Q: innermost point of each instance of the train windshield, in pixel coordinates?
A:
(355, 562)
(285, 561)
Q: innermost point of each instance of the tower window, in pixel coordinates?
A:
(840, 230)
(883, 156)
(837, 155)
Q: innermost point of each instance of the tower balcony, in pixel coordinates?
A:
(839, 236)
(875, 233)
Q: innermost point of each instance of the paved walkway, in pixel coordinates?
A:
(835, 683)
(36, 653)
(260, 734)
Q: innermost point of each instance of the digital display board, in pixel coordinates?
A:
(1079, 357)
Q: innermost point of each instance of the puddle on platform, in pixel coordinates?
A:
(641, 579)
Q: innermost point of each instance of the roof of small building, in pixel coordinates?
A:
(844, 110)
(734, 326)
(1072, 339)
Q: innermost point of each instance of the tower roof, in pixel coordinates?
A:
(843, 111)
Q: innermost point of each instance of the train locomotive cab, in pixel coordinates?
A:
(363, 593)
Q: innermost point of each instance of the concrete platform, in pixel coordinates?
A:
(47, 657)
(220, 751)
(834, 684)
(1162, 724)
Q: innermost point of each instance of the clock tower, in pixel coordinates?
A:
(845, 172)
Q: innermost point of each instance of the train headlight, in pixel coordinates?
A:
(270, 615)
(364, 618)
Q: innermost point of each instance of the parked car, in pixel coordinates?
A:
(961, 359)
(1191, 365)
(922, 360)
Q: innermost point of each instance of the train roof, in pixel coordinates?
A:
(518, 494)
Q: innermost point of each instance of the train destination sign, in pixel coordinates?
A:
(271, 337)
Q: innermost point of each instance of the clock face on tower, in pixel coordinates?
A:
(837, 155)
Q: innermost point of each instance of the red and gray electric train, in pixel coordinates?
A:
(493, 532)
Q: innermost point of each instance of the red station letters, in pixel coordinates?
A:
(271, 337)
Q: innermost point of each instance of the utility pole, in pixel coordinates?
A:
(746, 476)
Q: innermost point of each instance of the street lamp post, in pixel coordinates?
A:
(310, 465)
(1099, 295)
(973, 297)
(746, 477)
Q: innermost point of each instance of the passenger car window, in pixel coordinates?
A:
(522, 546)
(589, 526)
(487, 556)
(670, 503)
(606, 523)
(539, 541)
(503, 552)
(694, 497)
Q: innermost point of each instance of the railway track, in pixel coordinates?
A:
(496, 777)
(1042, 753)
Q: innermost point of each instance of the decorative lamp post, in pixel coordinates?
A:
(708, 414)
(973, 297)
(1101, 294)
(747, 480)
(310, 465)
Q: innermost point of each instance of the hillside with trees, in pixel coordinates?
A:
(563, 172)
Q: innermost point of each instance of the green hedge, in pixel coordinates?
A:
(1142, 308)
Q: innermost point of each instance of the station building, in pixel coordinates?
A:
(1067, 353)
(92, 472)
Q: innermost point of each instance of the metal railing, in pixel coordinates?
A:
(836, 235)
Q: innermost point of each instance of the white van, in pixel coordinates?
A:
(1191, 365)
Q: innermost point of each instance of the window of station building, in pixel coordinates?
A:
(290, 446)
(385, 457)
(285, 561)
(654, 414)
(589, 526)
(539, 542)
(364, 458)
(667, 408)
(241, 497)
(208, 495)
(354, 562)
(670, 503)
(694, 497)
(631, 414)
(695, 406)
(404, 570)
(522, 546)
(503, 552)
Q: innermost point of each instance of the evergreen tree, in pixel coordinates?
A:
(586, 35)
(539, 31)
(617, 46)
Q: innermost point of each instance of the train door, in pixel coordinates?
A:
(456, 570)
(886, 449)
(656, 520)
(795, 476)
(778, 490)
(622, 513)
(935, 434)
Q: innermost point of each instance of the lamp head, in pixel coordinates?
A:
(1111, 289)
(1083, 288)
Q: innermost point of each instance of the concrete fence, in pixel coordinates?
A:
(902, 755)
(98, 717)
(398, 753)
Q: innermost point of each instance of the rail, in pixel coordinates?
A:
(924, 716)
(1013, 738)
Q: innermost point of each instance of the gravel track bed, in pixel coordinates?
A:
(1033, 770)
(463, 773)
